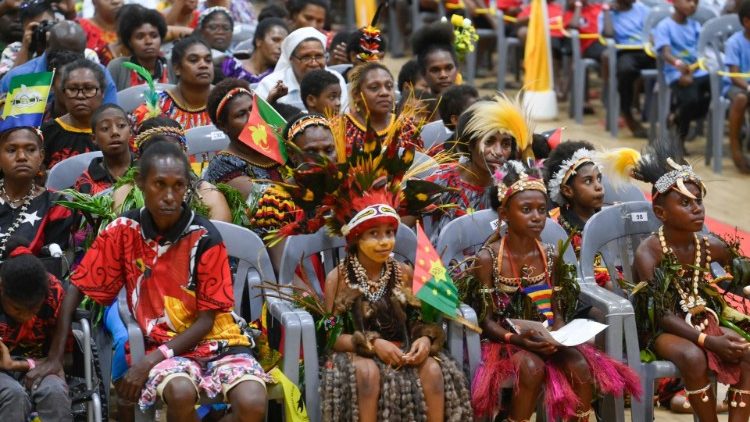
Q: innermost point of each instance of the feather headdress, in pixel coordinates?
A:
(501, 115)
(370, 41)
(568, 169)
(619, 164)
(151, 96)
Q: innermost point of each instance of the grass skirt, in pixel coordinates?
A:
(561, 402)
(401, 394)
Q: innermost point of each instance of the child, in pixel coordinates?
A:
(737, 59)
(321, 92)
(676, 39)
(410, 78)
(194, 341)
(516, 280)
(454, 101)
(30, 299)
(681, 303)
(624, 21)
(112, 134)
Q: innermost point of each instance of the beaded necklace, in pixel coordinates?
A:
(690, 301)
(25, 202)
(373, 290)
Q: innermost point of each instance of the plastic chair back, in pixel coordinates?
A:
(625, 193)
(298, 250)
(130, 98)
(427, 163)
(713, 35)
(704, 14)
(435, 133)
(242, 32)
(203, 141)
(655, 16)
(253, 266)
(63, 175)
(616, 232)
(340, 68)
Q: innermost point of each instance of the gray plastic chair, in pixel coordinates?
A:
(63, 175)
(253, 267)
(242, 32)
(625, 193)
(130, 98)
(204, 141)
(470, 68)
(435, 133)
(340, 68)
(419, 18)
(581, 66)
(504, 46)
(298, 250)
(711, 44)
(615, 232)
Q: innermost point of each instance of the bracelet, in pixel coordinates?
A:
(32, 363)
(578, 4)
(507, 337)
(748, 88)
(677, 63)
(605, 7)
(701, 339)
(166, 351)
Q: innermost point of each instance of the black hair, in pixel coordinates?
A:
(428, 99)
(24, 278)
(57, 59)
(744, 10)
(104, 107)
(95, 68)
(408, 75)
(353, 45)
(32, 9)
(563, 152)
(294, 120)
(273, 11)
(181, 47)
(454, 101)
(341, 37)
(511, 176)
(653, 163)
(431, 38)
(218, 93)
(296, 6)
(211, 15)
(315, 82)
(540, 146)
(265, 26)
(160, 147)
(133, 16)
(463, 144)
(285, 110)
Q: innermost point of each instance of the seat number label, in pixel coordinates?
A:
(638, 217)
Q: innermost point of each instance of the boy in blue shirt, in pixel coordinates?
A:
(623, 20)
(676, 39)
(737, 59)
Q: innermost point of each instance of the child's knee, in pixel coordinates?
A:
(690, 360)
(180, 392)
(531, 370)
(739, 100)
(52, 388)
(431, 376)
(368, 377)
(13, 394)
(248, 400)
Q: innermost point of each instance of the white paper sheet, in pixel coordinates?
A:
(575, 332)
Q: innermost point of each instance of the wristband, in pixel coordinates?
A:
(748, 88)
(605, 7)
(166, 351)
(677, 63)
(701, 339)
(578, 4)
(32, 363)
(507, 337)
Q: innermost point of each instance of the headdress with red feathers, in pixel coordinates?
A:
(370, 41)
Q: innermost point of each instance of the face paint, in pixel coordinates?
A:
(376, 244)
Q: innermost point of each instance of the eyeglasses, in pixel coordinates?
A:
(215, 27)
(87, 91)
(320, 58)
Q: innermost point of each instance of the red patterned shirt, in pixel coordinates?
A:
(33, 337)
(355, 133)
(168, 278)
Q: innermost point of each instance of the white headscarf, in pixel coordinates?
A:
(292, 41)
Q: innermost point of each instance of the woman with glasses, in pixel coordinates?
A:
(186, 102)
(215, 26)
(141, 31)
(267, 40)
(301, 52)
(81, 89)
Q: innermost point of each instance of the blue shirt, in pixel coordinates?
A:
(39, 64)
(736, 53)
(682, 39)
(628, 24)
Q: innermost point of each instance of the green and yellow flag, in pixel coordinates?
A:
(26, 100)
(432, 284)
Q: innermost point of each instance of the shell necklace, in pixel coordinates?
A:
(373, 290)
(25, 202)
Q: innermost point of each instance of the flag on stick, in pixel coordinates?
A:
(26, 100)
(263, 131)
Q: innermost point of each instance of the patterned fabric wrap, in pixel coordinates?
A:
(232, 68)
(209, 377)
(188, 119)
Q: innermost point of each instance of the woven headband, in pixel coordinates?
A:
(370, 213)
(677, 177)
(523, 183)
(229, 95)
(568, 169)
(305, 122)
(162, 130)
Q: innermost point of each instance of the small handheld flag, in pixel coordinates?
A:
(433, 285)
(26, 100)
(263, 131)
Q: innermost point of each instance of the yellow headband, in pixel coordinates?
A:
(303, 123)
(232, 92)
(523, 183)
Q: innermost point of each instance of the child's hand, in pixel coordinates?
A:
(531, 341)
(388, 352)
(685, 79)
(43, 368)
(6, 362)
(420, 350)
(728, 347)
(338, 55)
(134, 380)
(279, 90)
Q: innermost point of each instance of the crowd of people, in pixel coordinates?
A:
(351, 130)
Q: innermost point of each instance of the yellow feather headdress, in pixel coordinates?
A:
(619, 164)
(503, 115)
